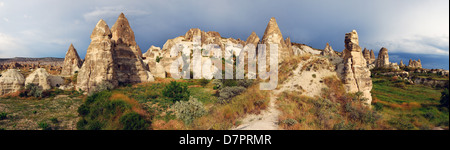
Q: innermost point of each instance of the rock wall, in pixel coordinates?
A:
(11, 81)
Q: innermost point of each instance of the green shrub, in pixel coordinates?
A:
(133, 121)
(445, 98)
(226, 93)
(290, 122)
(378, 106)
(203, 82)
(158, 59)
(54, 120)
(102, 87)
(217, 84)
(3, 115)
(189, 110)
(44, 125)
(245, 82)
(83, 110)
(343, 126)
(32, 90)
(176, 91)
(229, 82)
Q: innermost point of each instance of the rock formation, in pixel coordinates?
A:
(402, 64)
(372, 57)
(153, 58)
(414, 63)
(366, 54)
(39, 77)
(98, 67)
(253, 39)
(72, 62)
(113, 57)
(124, 35)
(354, 71)
(383, 59)
(328, 51)
(273, 35)
(11, 81)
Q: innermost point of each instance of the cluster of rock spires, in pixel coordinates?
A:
(113, 57)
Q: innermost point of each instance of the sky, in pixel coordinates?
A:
(407, 28)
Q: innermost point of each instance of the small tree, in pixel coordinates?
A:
(176, 91)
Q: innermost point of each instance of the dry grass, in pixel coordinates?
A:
(224, 117)
(288, 65)
(169, 125)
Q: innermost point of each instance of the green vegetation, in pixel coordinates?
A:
(105, 110)
(444, 98)
(409, 107)
(3, 116)
(189, 110)
(32, 90)
(176, 91)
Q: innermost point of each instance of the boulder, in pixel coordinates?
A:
(39, 77)
(11, 81)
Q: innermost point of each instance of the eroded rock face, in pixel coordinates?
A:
(72, 62)
(39, 77)
(383, 59)
(273, 35)
(414, 63)
(253, 39)
(355, 73)
(366, 54)
(328, 51)
(98, 67)
(123, 34)
(11, 81)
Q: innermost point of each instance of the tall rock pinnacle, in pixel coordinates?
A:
(72, 62)
(98, 67)
(122, 33)
(273, 35)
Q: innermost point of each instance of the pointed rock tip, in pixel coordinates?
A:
(122, 15)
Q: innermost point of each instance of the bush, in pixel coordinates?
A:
(158, 59)
(245, 82)
(189, 110)
(54, 120)
(444, 98)
(290, 122)
(378, 106)
(44, 125)
(102, 87)
(204, 82)
(32, 90)
(217, 84)
(83, 110)
(3, 116)
(176, 91)
(226, 93)
(133, 121)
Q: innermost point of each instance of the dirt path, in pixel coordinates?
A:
(266, 120)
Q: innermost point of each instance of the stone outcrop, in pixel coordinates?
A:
(11, 81)
(328, 51)
(354, 71)
(414, 63)
(366, 54)
(151, 56)
(383, 59)
(372, 57)
(113, 57)
(98, 67)
(401, 63)
(272, 35)
(122, 34)
(253, 39)
(72, 62)
(39, 77)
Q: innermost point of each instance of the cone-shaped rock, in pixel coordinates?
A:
(122, 33)
(253, 39)
(273, 35)
(98, 67)
(328, 51)
(39, 77)
(72, 62)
